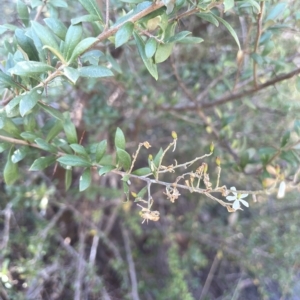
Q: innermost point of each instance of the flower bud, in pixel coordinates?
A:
(150, 157)
(218, 161)
(174, 135)
(212, 147)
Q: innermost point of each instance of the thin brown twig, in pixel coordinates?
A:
(258, 35)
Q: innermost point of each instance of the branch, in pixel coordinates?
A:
(234, 96)
(258, 35)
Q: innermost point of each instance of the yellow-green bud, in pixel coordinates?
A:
(218, 161)
(150, 157)
(134, 194)
(212, 147)
(174, 135)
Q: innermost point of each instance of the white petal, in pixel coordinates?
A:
(244, 202)
(244, 196)
(233, 188)
(236, 205)
(231, 198)
(281, 190)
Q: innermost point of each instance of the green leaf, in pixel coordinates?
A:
(52, 111)
(29, 101)
(26, 45)
(124, 34)
(132, 1)
(42, 163)
(70, 130)
(95, 72)
(297, 126)
(85, 180)
(9, 126)
(150, 47)
(107, 160)
(85, 18)
(120, 141)
(13, 103)
(228, 4)
(19, 154)
(57, 26)
(142, 171)
(23, 12)
(142, 192)
(7, 81)
(230, 29)
(124, 159)
(106, 169)
(4, 146)
(79, 149)
(191, 40)
(257, 58)
(177, 37)
(44, 35)
(276, 11)
(285, 138)
(59, 3)
(158, 157)
(29, 122)
(101, 150)
(73, 37)
(68, 179)
(209, 17)
(126, 190)
(45, 146)
(72, 74)
(148, 62)
(74, 161)
(29, 68)
(11, 170)
(54, 131)
(29, 136)
(92, 7)
(82, 47)
(113, 63)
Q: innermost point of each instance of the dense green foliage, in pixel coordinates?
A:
(123, 127)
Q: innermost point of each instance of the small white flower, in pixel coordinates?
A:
(237, 198)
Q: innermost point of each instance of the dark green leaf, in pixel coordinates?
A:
(11, 170)
(44, 35)
(74, 161)
(124, 159)
(52, 111)
(29, 101)
(42, 163)
(230, 29)
(142, 192)
(209, 17)
(23, 12)
(158, 157)
(191, 40)
(29, 122)
(123, 34)
(92, 7)
(72, 74)
(101, 150)
(285, 138)
(106, 169)
(29, 136)
(82, 47)
(57, 26)
(7, 81)
(19, 154)
(177, 37)
(148, 62)
(126, 190)
(276, 11)
(26, 44)
(113, 62)
(85, 18)
(95, 72)
(79, 149)
(68, 179)
(150, 47)
(73, 37)
(9, 126)
(29, 68)
(70, 130)
(54, 131)
(120, 141)
(85, 180)
(142, 171)
(45, 146)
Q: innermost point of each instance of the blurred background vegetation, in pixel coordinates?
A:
(58, 244)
